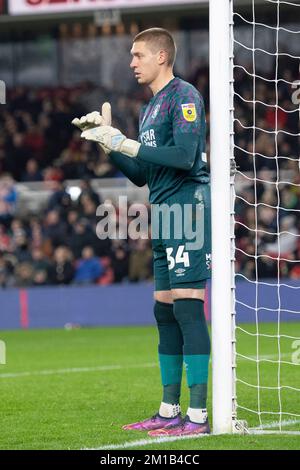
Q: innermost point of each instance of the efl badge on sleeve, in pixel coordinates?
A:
(189, 112)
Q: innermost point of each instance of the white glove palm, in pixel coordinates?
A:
(94, 119)
(97, 127)
(112, 139)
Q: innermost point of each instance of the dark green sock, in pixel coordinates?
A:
(198, 396)
(171, 393)
(170, 351)
(196, 347)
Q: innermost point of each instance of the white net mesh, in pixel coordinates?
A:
(267, 205)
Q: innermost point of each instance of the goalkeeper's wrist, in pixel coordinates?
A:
(130, 147)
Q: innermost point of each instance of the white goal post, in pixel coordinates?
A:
(221, 153)
(273, 134)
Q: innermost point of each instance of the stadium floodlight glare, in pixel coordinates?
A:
(229, 407)
(74, 192)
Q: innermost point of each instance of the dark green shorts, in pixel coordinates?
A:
(181, 239)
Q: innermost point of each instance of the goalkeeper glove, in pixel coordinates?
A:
(94, 119)
(112, 139)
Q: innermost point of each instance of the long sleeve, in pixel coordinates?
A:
(182, 155)
(131, 168)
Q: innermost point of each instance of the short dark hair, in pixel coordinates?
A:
(159, 38)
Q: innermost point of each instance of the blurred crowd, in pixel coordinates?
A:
(60, 245)
(267, 212)
(39, 143)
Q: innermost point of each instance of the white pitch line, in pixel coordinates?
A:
(12, 375)
(264, 357)
(160, 440)
(146, 442)
(280, 433)
(275, 424)
(74, 370)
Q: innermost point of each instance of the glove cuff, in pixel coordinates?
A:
(130, 147)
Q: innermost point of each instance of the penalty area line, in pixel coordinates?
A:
(72, 370)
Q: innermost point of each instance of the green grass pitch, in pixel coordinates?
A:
(75, 389)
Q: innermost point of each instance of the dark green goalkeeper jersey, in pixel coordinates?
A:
(175, 120)
(172, 132)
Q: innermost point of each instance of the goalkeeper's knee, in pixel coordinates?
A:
(170, 337)
(189, 314)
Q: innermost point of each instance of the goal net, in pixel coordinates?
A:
(260, 238)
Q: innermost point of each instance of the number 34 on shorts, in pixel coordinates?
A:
(181, 257)
(177, 267)
(188, 264)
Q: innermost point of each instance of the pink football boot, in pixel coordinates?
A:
(185, 428)
(155, 422)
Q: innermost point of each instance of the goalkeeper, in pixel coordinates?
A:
(169, 157)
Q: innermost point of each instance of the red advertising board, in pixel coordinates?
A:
(25, 7)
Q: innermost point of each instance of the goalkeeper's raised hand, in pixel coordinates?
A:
(97, 127)
(94, 119)
(112, 139)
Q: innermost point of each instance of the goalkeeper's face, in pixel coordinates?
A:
(146, 64)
